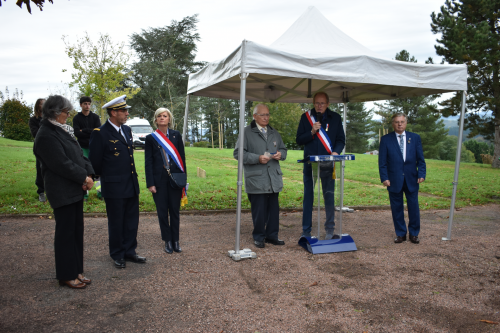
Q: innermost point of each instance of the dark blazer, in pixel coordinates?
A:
(64, 168)
(154, 162)
(112, 157)
(34, 125)
(312, 145)
(392, 167)
(84, 126)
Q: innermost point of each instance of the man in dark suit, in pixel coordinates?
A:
(402, 168)
(321, 118)
(111, 154)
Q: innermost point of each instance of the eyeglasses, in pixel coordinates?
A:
(320, 104)
(263, 115)
(65, 111)
(399, 122)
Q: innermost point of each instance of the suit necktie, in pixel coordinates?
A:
(264, 132)
(401, 143)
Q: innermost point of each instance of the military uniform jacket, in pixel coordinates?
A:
(112, 158)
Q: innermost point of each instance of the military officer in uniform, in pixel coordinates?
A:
(112, 157)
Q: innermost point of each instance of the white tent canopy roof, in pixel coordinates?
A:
(314, 55)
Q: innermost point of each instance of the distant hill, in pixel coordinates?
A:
(452, 126)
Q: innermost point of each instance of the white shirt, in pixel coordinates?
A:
(118, 129)
(404, 143)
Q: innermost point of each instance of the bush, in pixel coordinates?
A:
(14, 120)
(201, 144)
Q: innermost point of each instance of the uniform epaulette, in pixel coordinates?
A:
(97, 129)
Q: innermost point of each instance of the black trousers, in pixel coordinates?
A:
(168, 202)
(265, 215)
(123, 222)
(68, 241)
(39, 178)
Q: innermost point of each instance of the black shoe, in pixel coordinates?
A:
(414, 239)
(259, 244)
(275, 241)
(176, 247)
(120, 263)
(136, 258)
(168, 247)
(400, 239)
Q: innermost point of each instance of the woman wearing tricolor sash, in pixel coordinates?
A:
(164, 156)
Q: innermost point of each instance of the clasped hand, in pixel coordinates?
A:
(89, 183)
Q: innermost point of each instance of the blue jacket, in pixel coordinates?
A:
(112, 158)
(154, 162)
(392, 167)
(312, 145)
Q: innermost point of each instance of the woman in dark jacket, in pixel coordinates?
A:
(34, 124)
(66, 174)
(167, 198)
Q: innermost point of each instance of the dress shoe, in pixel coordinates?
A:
(120, 263)
(414, 239)
(84, 279)
(259, 244)
(168, 247)
(275, 241)
(400, 239)
(176, 247)
(136, 258)
(71, 284)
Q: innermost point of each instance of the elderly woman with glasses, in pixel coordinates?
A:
(67, 175)
(164, 155)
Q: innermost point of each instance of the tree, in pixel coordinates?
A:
(423, 115)
(470, 34)
(448, 150)
(99, 70)
(38, 3)
(14, 117)
(358, 127)
(478, 148)
(165, 60)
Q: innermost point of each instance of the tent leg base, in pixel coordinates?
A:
(446, 239)
(243, 254)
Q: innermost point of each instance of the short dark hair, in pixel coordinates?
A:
(38, 107)
(84, 99)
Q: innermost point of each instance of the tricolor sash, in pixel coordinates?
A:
(169, 148)
(322, 135)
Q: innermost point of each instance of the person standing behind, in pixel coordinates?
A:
(84, 123)
(112, 156)
(67, 174)
(34, 124)
(320, 121)
(263, 148)
(164, 154)
(402, 168)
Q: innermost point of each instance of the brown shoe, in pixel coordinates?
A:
(75, 284)
(400, 239)
(84, 279)
(414, 239)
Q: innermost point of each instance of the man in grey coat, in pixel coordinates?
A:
(263, 149)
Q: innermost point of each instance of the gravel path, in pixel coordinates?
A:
(435, 286)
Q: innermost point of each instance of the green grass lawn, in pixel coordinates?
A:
(478, 184)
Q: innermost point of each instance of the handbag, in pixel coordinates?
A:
(177, 180)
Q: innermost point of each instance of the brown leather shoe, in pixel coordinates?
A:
(414, 239)
(400, 239)
(84, 279)
(72, 284)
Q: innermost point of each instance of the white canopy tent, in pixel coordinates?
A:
(314, 55)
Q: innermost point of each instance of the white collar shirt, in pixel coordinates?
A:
(260, 127)
(404, 143)
(117, 128)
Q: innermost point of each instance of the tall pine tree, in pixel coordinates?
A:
(470, 34)
(358, 128)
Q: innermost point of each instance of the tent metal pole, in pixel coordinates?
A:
(243, 86)
(457, 168)
(342, 166)
(186, 112)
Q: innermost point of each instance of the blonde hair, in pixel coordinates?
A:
(170, 116)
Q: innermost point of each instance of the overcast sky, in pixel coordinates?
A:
(32, 53)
